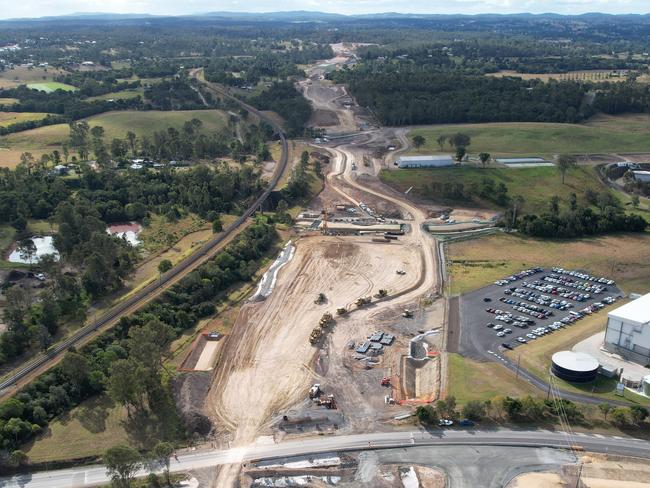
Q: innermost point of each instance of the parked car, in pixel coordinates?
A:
(466, 423)
(506, 345)
(445, 423)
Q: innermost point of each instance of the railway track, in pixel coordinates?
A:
(146, 294)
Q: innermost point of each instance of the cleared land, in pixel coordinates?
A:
(584, 75)
(51, 86)
(536, 185)
(8, 118)
(121, 95)
(115, 124)
(601, 134)
(476, 263)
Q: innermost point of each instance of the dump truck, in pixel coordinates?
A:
(325, 319)
(341, 311)
(381, 293)
(320, 299)
(328, 402)
(407, 314)
(363, 301)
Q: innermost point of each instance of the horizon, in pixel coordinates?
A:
(165, 8)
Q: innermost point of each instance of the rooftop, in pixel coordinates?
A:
(434, 157)
(575, 361)
(637, 311)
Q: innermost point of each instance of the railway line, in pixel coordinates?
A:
(11, 382)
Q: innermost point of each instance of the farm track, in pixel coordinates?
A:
(23, 375)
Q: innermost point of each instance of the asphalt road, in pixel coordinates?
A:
(96, 475)
(143, 296)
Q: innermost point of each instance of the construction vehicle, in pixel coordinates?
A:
(407, 314)
(385, 381)
(363, 301)
(401, 272)
(325, 320)
(315, 335)
(341, 311)
(320, 298)
(314, 391)
(381, 293)
(328, 402)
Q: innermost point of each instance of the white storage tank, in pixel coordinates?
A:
(646, 385)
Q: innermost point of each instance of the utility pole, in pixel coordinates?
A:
(548, 392)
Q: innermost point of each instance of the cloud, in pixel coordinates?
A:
(35, 8)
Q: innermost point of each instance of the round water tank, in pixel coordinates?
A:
(646, 385)
(576, 367)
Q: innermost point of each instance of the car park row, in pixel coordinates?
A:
(552, 285)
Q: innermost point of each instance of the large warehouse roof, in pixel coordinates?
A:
(635, 312)
(575, 361)
(436, 157)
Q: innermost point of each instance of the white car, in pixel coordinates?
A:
(445, 423)
(531, 336)
(501, 334)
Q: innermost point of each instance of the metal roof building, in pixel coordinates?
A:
(628, 330)
(431, 161)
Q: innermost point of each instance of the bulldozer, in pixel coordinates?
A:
(408, 314)
(320, 298)
(362, 301)
(341, 311)
(381, 293)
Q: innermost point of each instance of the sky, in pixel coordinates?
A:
(39, 8)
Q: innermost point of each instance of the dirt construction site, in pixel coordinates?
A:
(350, 336)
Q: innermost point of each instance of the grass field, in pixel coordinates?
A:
(473, 380)
(536, 357)
(602, 134)
(8, 101)
(536, 184)
(8, 118)
(20, 75)
(476, 263)
(121, 95)
(51, 86)
(115, 124)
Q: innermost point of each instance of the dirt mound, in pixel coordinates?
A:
(190, 391)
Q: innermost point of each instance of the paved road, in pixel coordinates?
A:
(43, 362)
(96, 475)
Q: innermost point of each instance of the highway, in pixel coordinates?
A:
(140, 298)
(96, 475)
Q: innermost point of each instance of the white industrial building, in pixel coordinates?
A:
(628, 330)
(643, 176)
(437, 161)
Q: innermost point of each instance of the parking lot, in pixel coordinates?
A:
(518, 309)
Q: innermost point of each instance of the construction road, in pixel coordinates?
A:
(21, 376)
(96, 475)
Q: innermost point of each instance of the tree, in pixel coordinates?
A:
(441, 141)
(554, 205)
(122, 463)
(125, 383)
(132, 140)
(565, 163)
(162, 454)
(426, 414)
(638, 413)
(27, 250)
(474, 410)
(635, 200)
(418, 141)
(605, 408)
(217, 224)
(164, 266)
(75, 368)
(460, 153)
(485, 158)
(18, 458)
(512, 406)
(460, 140)
(619, 416)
